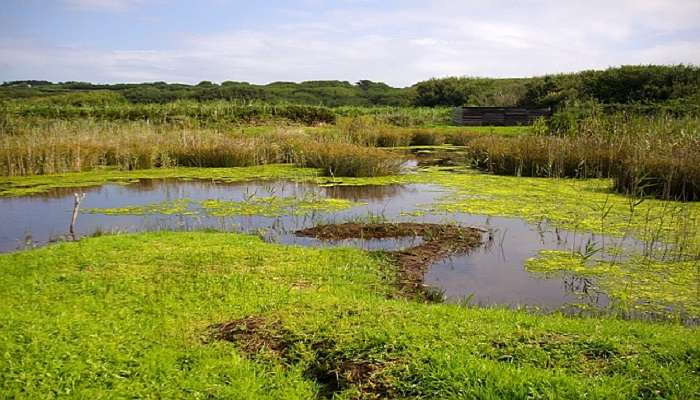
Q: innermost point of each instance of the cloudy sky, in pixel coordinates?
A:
(398, 42)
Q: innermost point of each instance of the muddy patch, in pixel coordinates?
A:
(253, 334)
(333, 371)
(438, 242)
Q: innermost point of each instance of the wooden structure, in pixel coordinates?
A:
(498, 115)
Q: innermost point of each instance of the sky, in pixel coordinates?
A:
(397, 42)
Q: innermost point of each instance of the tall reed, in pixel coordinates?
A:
(56, 146)
(656, 156)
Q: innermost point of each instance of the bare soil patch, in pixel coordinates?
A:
(330, 368)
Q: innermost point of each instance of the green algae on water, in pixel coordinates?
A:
(637, 284)
(171, 207)
(575, 204)
(273, 206)
(268, 206)
(584, 205)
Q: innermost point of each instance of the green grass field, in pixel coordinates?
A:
(129, 316)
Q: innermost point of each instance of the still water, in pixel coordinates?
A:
(490, 275)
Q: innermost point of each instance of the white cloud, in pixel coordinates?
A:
(398, 46)
(108, 5)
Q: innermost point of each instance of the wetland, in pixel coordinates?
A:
(350, 260)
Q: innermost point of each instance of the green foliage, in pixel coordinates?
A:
(469, 91)
(327, 93)
(642, 88)
(642, 84)
(99, 98)
(400, 116)
(637, 89)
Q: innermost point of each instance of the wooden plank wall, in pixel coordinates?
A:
(498, 115)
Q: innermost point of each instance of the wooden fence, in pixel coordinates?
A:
(498, 115)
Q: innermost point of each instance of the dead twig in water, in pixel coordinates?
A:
(76, 207)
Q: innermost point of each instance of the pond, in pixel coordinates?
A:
(491, 275)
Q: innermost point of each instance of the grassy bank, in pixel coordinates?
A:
(131, 315)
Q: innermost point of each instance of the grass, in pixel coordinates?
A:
(655, 156)
(132, 315)
(129, 316)
(369, 131)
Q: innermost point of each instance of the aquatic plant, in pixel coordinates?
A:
(26, 185)
(272, 206)
(665, 289)
(169, 207)
(267, 206)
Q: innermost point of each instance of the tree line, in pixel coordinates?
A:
(673, 87)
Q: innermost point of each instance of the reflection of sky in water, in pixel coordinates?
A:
(492, 274)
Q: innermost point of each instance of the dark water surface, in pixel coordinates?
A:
(490, 275)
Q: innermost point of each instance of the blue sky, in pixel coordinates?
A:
(398, 42)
